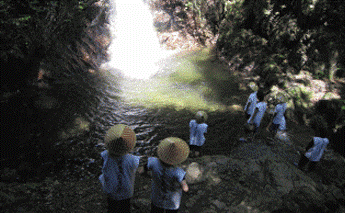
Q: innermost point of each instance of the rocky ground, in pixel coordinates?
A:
(253, 177)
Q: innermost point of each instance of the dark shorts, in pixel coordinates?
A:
(247, 131)
(195, 148)
(274, 127)
(155, 209)
(119, 206)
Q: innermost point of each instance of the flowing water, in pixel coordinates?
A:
(135, 49)
(152, 90)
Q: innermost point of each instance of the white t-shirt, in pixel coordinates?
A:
(252, 100)
(197, 132)
(261, 106)
(315, 153)
(280, 110)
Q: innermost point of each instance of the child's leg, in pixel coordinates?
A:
(155, 209)
(302, 162)
(312, 166)
(198, 151)
(171, 211)
(274, 128)
(192, 151)
(121, 206)
(255, 133)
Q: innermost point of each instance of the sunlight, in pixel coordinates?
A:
(182, 86)
(135, 49)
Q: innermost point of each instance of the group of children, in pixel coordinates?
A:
(168, 180)
(255, 109)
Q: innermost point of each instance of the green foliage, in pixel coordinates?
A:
(33, 22)
(33, 30)
(303, 34)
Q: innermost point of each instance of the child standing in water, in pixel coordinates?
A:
(198, 128)
(251, 102)
(119, 167)
(259, 112)
(168, 180)
(316, 146)
(278, 119)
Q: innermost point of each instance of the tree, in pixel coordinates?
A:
(29, 31)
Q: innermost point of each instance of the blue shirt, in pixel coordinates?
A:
(261, 106)
(252, 100)
(118, 175)
(197, 132)
(166, 184)
(315, 153)
(280, 110)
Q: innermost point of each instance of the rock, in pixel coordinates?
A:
(337, 193)
(330, 96)
(193, 173)
(304, 199)
(218, 204)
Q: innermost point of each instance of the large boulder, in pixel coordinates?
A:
(257, 178)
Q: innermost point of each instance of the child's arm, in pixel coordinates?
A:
(184, 186)
(246, 106)
(271, 121)
(142, 165)
(253, 116)
(310, 145)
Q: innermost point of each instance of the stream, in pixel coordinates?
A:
(57, 130)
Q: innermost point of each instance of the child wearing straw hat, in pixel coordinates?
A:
(252, 100)
(119, 167)
(168, 180)
(278, 119)
(316, 146)
(198, 128)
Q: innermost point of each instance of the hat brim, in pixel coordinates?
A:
(173, 150)
(201, 114)
(120, 139)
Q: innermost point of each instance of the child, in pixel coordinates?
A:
(168, 180)
(259, 112)
(119, 167)
(251, 102)
(278, 119)
(198, 128)
(317, 145)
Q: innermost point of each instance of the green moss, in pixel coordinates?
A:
(187, 73)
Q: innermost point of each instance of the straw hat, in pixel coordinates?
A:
(201, 116)
(119, 140)
(173, 150)
(253, 86)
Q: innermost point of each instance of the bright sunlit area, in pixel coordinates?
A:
(185, 85)
(145, 74)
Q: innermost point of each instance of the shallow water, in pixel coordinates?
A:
(66, 138)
